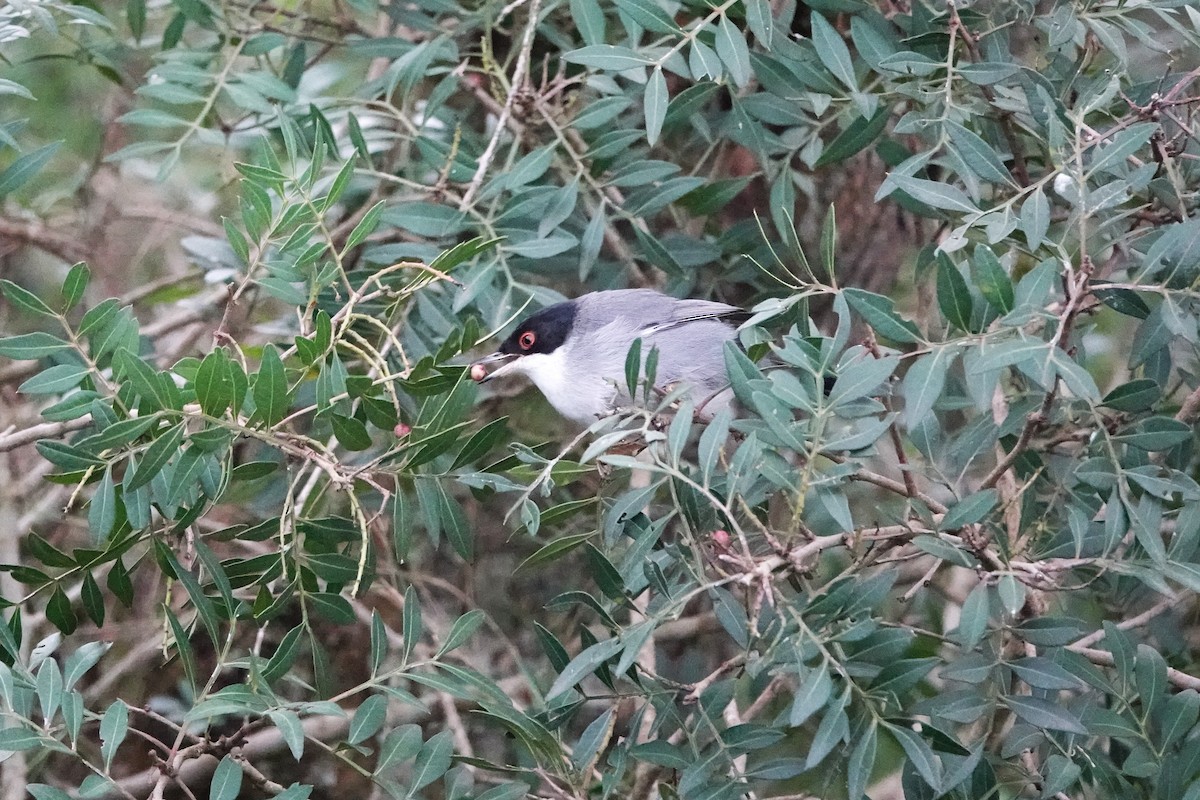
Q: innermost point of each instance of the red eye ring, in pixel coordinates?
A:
(527, 340)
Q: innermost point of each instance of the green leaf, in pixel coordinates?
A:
(1042, 673)
(82, 660)
(1077, 379)
(604, 573)
(833, 730)
(584, 664)
(954, 298)
(945, 550)
(482, 442)
(41, 791)
(758, 17)
(663, 753)
(733, 52)
(183, 647)
(270, 392)
(923, 383)
(1044, 714)
(920, 755)
(73, 406)
(903, 674)
(829, 241)
(832, 51)
(861, 762)
(49, 689)
(340, 182)
(47, 553)
(544, 247)
(351, 434)
(412, 622)
(93, 599)
(1139, 395)
(368, 719)
(146, 381)
(54, 380)
(1122, 145)
(880, 313)
(563, 201)
(1155, 433)
(102, 511)
(97, 317)
(226, 780)
(14, 88)
(816, 688)
(971, 509)
(589, 21)
(853, 138)
(934, 193)
(992, 280)
(973, 621)
(553, 550)
(332, 607)
(284, 656)
(25, 167)
(1181, 714)
(365, 227)
(25, 299)
(985, 73)
(1035, 218)
(160, 451)
(647, 14)
(1150, 671)
(592, 741)
(214, 384)
(655, 104)
(633, 366)
(401, 744)
(458, 530)
(29, 346)
(119, 583)
(432, 762)
(859, 378)
(113, 727)
(908, 62)
(464, 628)
(607, 57)
(291, 729)
(20, 738)
(1008, 352)
(982, 159)
(200, 601)
(592, 241)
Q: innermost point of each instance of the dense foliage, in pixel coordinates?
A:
(303, 554)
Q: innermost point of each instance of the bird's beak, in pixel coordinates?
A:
(492, 366)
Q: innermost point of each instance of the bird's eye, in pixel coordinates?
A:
(527, 339)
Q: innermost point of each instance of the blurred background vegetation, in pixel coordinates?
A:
(263, 537)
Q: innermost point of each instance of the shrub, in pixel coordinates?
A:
(324, 564)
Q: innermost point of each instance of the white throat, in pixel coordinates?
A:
(552, 374)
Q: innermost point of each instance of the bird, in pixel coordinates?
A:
(575, 351)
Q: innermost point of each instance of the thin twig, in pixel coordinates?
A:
(1132, 622)
(519, 80)
(12, 439)
(1177, 678)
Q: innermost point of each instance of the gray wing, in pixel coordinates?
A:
(685, 312)
(689, 334)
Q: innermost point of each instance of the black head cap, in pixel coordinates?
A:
(542, 332)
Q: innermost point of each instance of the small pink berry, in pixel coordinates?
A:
(478, 372)
(721, 538)
(401, 430)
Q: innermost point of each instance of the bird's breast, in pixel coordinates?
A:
(575, 393)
